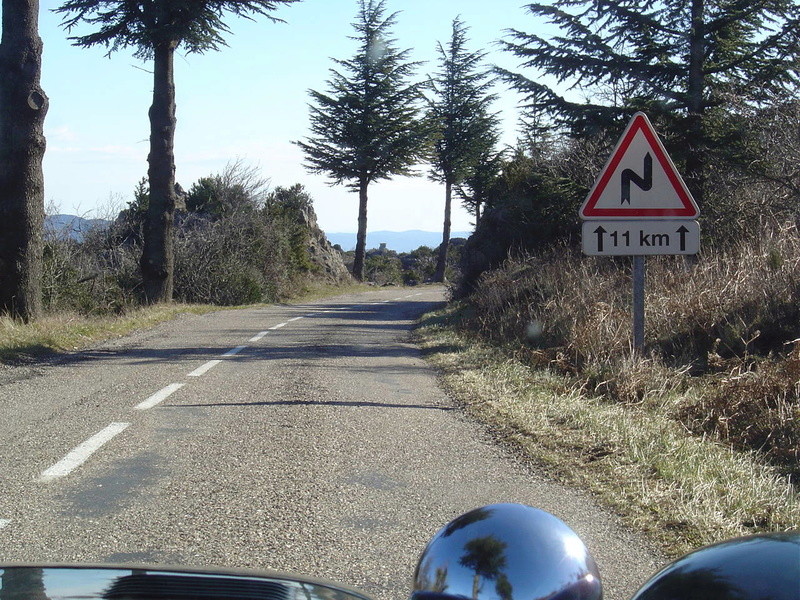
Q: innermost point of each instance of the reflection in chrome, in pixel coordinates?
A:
(506, 552)
(116, 583)
(760, 567)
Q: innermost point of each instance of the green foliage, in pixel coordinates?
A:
(464, 130)
(410, 268)
(243, 245)
(419, 265)
(238, 189)
(194, 25)
(288, 209)
(532, 203)
(365, 127)
(626, 56)
(240, 245)
(202, 197)
(97, 276)
(223, 262)
(476, 190)
(383, 268)
(130, 222)
(684, 63)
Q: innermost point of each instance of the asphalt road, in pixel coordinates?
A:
(306, 438)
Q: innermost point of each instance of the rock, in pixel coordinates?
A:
(180, 198)
(320, 251)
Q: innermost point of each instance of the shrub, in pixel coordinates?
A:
(383, 267)
(223, 262)
(94, 276)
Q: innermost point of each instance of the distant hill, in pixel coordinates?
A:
(399, 241)
(70, 226)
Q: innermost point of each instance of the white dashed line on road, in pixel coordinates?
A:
(294, 319)
(201, 370)
(81, 453)
(159, 396)
(234, 351)
(258, 337)
(278, 326)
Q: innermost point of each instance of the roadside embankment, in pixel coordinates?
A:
(694, 442)
(682, 489)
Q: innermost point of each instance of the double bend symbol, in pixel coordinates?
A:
(629, 176)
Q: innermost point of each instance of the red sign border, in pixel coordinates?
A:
(640, 122)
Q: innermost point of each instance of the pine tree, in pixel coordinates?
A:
(477, 188)
(156, 29)
(678, 60)
(365, 128)
(463, 127)
(23, 106)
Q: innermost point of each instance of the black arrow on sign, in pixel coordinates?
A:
(600, 231)
(682, 231)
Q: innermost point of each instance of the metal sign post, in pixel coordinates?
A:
(638, 304)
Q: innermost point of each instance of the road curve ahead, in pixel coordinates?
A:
(309, 438)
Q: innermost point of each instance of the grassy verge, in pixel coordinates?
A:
(71, 331)
(60, 332)
(681, 489)
(311, 290)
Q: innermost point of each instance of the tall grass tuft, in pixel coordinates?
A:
(725, 325)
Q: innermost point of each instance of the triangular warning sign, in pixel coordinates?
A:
(639, 181)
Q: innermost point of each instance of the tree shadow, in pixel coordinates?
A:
(356, 404)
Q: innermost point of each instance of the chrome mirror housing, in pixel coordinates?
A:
(748, 568)
(506, 552)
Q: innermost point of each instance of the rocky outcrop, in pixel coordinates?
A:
(328, 259)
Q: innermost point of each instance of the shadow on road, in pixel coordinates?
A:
(362, 319)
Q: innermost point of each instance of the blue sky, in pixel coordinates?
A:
(248, 102)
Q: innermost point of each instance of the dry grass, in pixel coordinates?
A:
(722, 329)
(682, 489)
(696, 442)
(754, 407)
(309, 289)
(70, 331)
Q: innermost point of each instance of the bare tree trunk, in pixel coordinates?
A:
(158, 259)
(361, 237)
(695, 163)
(441, 261)
(22, 145)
